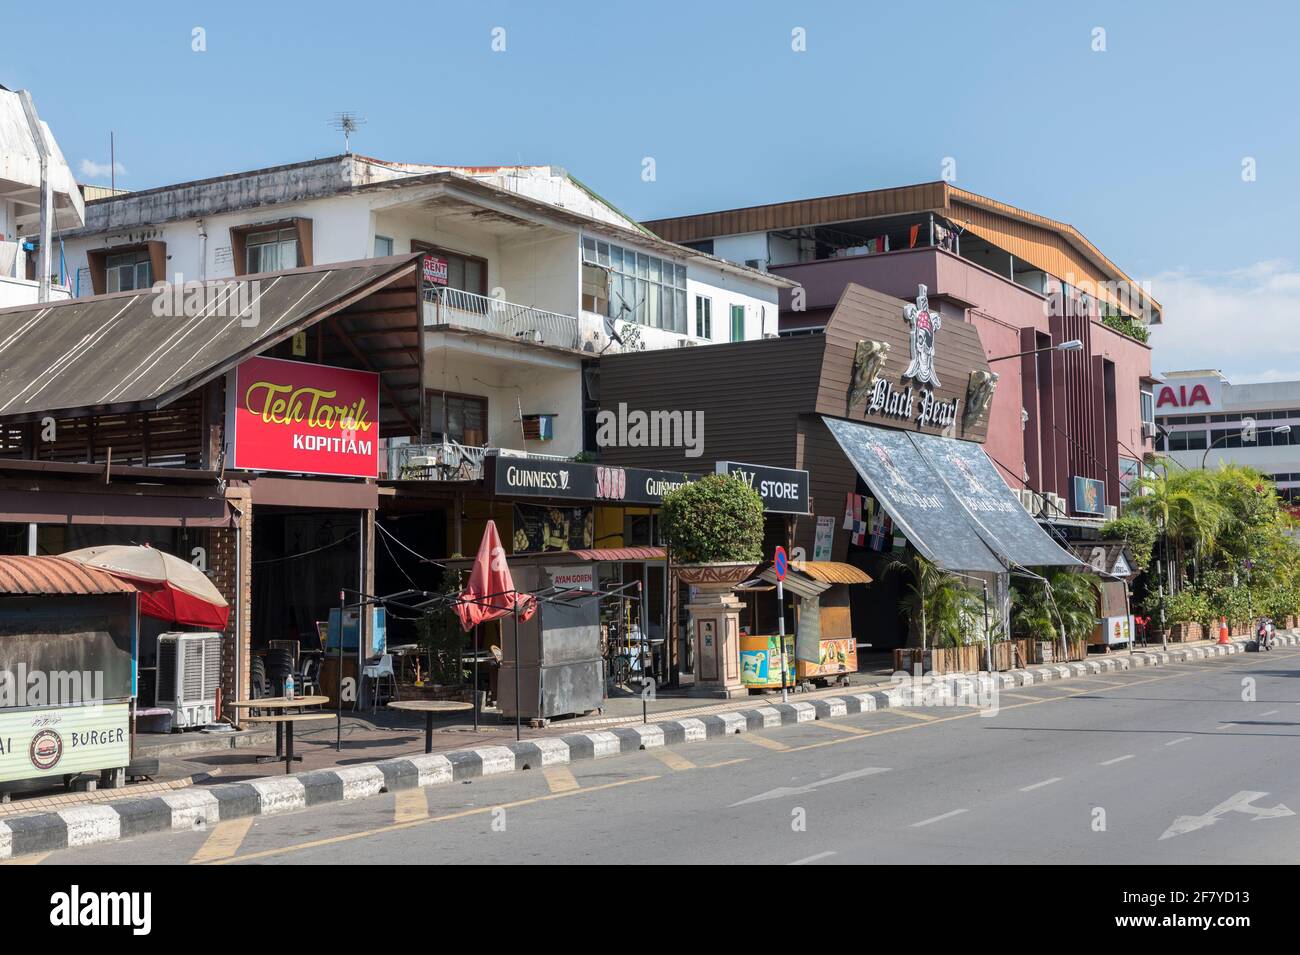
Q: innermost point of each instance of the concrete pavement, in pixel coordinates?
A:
(1184, 763)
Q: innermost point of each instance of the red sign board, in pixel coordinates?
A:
(307, 419)
(435, 270)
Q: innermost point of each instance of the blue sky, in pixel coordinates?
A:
(1140, 146)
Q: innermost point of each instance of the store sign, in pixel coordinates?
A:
(304, 418)
(637, 485)
(1189, 394)
(573, 576)
(783, 490)
(64, 740)
(1089, 496)
(1116, 629)
(538, 477)
(434, 270)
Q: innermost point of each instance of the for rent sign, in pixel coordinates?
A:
(303, 418)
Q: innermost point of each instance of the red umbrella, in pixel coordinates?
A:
(170, 588)
(490, 593)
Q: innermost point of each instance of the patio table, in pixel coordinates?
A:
(429, 708)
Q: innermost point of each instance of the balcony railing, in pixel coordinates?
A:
(451, 306)
(448, 461)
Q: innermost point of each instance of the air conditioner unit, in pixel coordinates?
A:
(686, 342)
(1112, 512)
(1026, 499)
(1038, 504)
(189, 675)
(1148, 429)
(1055, 504)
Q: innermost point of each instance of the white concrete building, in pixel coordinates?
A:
(20, 196)
(533, 273)
(1204, 420)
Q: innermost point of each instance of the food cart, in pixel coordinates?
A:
(68, 655)
(822, 618)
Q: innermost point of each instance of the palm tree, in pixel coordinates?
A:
(946, 609)
(1063, 604)
(1188, 510)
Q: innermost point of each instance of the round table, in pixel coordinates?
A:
(286, 720)
(429, 708)
(277, 703)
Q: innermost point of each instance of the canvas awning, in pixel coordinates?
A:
(947, 499)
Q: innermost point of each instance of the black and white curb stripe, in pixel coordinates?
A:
(199, 808)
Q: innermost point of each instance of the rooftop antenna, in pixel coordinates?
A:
(348, 122)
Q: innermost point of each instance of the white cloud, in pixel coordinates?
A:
(1241, 322)
(100, 170)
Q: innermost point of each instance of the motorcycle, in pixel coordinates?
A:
(1265, 634)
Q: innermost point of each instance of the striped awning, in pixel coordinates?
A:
(56, 576)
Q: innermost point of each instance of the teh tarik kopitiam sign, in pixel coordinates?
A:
(920, 372)
(303, 418)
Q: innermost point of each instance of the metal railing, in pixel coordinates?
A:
(451, 306)
(448, 461)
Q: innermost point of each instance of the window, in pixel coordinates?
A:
(703, 317)
(128, 271)
(383, 246)
(272, 250)
(1189, 440)
(467, 273)
(642, 288)
(1148, 407)
(460, 418)
(737, 323)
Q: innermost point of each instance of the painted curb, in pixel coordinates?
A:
(191, 809)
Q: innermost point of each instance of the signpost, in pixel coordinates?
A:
(780, 564)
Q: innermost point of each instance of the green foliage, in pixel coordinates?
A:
(1127, 326)
(716, 519)
(1069, 598)
(1138, 534)
(1186, 606)
(952, 613)
(441, 637)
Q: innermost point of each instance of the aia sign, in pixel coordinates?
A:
(306, 419)
(1202, 395)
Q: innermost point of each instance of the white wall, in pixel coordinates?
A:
(15, 291)
(742, 248)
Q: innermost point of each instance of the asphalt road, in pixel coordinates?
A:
(1167, 765)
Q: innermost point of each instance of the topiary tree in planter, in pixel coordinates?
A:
(717, 519)
(714, 528)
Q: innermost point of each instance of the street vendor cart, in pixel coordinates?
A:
(825, 647)
(68, 652)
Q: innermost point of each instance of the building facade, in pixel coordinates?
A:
(1205, 421)
(1070, 426)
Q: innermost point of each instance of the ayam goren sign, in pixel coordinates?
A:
(303, 418)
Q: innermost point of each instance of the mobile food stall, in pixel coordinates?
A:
(68, 652)
(822, 619)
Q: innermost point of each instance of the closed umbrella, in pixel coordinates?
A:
(170, 588)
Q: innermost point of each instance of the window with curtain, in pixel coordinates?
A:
(460, 418)
(737, 323)
(128, 271)
(642, 288)
(272, 250)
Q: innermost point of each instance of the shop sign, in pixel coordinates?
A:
(434, 270)
(637, 485)
(1190, 394)
(539, 477)
(303, 418)
(1116, 629)
(824, 539)
(539, 528)
(1089, 496)
(64, 740)
(783, 490)
(572, 576)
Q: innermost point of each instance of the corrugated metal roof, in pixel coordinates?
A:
(54, 575)
(113, 352)
(620, 553)
(798, 584)
(833, 572)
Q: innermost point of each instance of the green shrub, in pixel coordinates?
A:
(1138, 534)
(716, 519)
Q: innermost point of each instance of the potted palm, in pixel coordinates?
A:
(714, 530)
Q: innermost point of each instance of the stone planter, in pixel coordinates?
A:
(715, 625)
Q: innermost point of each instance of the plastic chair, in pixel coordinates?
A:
(376, 672)
(308, 680)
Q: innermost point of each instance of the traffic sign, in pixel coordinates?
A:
(780, 563)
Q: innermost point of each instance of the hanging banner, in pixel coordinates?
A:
(303, 418)
(64, 741)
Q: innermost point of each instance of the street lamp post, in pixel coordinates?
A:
(1280, 429)
(1073, 344)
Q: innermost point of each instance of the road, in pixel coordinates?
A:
(1166, 765)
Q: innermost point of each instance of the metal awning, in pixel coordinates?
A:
(618, 553)
(796, 583)
(56, 576)
(947, 499)
(131, 351)
(834, 572)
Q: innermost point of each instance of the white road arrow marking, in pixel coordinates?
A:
(784, 791)
(1238, 803)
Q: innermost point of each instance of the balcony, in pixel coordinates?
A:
(448, 461)
(454, 307)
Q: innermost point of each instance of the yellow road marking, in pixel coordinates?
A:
(765, 741)
(726, 762)
(411, 804)
(903, 711)
(670, 759)
(855, 730)
(447, 817)
(560, 779)
(34, 859)
(224, 840)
